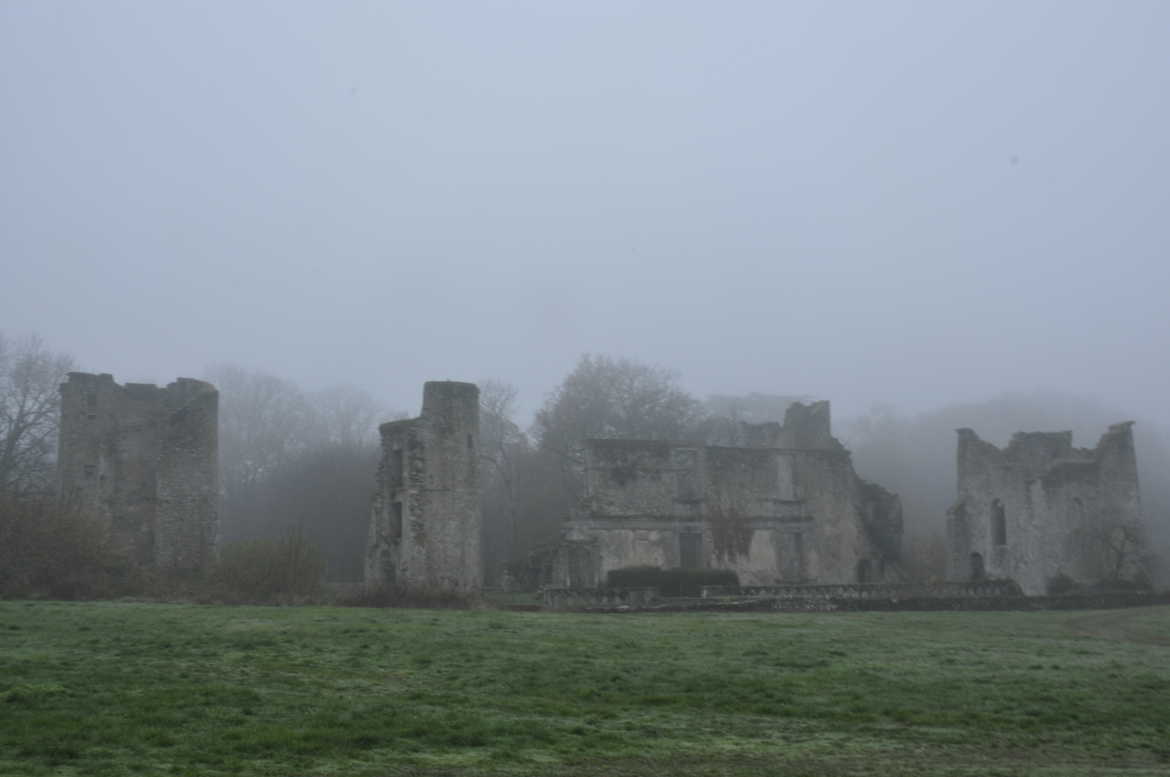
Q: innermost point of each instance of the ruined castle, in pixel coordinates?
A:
(425, 517)
(1040, 510)
(142, 461)
(778, 504)
(784, 507)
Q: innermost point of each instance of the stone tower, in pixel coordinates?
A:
(425, 518)
(142, 461)
(1041, 509)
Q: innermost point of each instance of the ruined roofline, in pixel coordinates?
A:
(642, 442)
(387, 426)
(838, 450)
(449, 385)
(970, 434)
(1020, 440)
(636, 442)
(103, 377)
(439, 396)
(1121, 429)
(434, 391)
(668, 521)
(806, 427)
(132, 388)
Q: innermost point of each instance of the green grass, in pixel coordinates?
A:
(122, 689)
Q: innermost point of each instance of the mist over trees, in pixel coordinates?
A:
(297, 462)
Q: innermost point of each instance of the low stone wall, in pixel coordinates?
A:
(1101, 601)
(986, 596)
(598, 598)
(870, 592)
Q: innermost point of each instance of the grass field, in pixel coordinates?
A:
(124, 688)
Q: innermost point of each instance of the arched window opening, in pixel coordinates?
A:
(998, 524)
(977, 571)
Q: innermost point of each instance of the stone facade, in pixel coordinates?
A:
(143, 461)
(1040, 509)
(785, 507)
(425, 518)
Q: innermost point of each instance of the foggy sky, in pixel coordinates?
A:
(912, 203)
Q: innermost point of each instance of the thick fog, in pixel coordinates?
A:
(904, 203)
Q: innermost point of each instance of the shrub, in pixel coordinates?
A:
(670, 582)
(50, 549)
(264, 570)
(1061, 585)
(1139, 583)
(390, 595)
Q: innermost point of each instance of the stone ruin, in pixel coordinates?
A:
(782, 506)
(785, 506)
(142, 461)
(1041, 510)
(425, 517)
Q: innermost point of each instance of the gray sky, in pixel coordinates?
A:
(913, 203)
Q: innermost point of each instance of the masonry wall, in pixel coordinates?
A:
(143, 461)
(1041, 508)
(425, 517)
(771, 511)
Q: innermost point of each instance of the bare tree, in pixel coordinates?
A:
(501, 444)
(601, 397)
(263, 420)
(30, 377)
(348, 416)
(1121, 550)
(321, 494)
(498, 430)
(607, 397)
(298, 462)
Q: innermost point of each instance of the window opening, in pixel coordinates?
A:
(396, 473)
(998, 524)
(396, 522)
(690, 550)
(977, 571)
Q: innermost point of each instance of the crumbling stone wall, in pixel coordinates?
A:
(143, 461)
(786, 507)
(425, 517)
(1040, 509)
